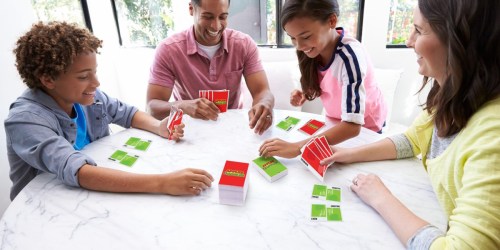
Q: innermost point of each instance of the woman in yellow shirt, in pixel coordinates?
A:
(457, 43)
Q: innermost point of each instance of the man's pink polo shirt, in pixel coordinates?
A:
(180, 65)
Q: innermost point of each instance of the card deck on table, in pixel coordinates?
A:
(270, 168)
(322, 212)
(329, 194)
(137, 143)
(219, 97)
(312, 126)
(313, 152)
(175, 118)
(288, 123)
(124, 158)
(233, 183)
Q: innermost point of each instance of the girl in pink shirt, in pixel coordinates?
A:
(334, 68)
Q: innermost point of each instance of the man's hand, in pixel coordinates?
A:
(261, 118)
(200, 108)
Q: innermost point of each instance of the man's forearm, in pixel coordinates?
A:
(159, 109)
(265, 98)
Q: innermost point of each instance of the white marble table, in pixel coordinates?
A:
(50, 215)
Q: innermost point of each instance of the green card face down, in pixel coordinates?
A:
(288, 123)
(333, 213)
(118, 155)
(132, 141)
(138, 143)
(319, 191)
(318, 211)
(321, 212)
(333, 194)
(129, 160)
(124, 158)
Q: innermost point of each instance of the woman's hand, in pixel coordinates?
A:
(340, 155)
(371, 190)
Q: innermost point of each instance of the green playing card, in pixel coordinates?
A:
(137, 143)
(124, 158)
(132, 141)
(318, 211)
(143, 145)
(333, 213)
(288, 123)
(319, 191)
(333, 194)
(270, 168)
(118, 155)
(129, 160)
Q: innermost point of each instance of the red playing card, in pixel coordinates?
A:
(317, 150)
(174, 119)
(312, 126)
(221, 98)
(234, 174)
(326, 147)
(312, 162)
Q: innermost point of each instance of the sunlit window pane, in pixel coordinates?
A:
(144, 22)
(400, 21)
(59, 10)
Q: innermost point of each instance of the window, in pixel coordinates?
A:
(52, 10)
(400, 22)
(143, 22)
(248, 15)
(146, 22)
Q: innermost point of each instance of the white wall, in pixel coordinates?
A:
(376, 19)
(14, 21)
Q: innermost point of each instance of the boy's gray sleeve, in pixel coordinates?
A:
(120, 112)
(35, 140)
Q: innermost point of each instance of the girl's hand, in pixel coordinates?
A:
(278, 147)
(297, 98)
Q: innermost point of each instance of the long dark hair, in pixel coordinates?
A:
(471, 33)
(319, 10)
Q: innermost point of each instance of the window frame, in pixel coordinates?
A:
(280, 34)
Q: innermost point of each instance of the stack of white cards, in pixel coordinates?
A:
(233, 184)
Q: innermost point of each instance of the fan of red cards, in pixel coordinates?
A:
(313, 152)
(175, 118)
(219, 97)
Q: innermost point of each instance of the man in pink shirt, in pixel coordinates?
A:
(209, 56)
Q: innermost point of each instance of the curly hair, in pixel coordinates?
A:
(49, 49)
(471, 34)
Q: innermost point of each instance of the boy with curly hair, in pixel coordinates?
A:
(63, 110)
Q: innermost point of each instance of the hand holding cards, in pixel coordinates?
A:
(175, 118)
(219, 97)
(313, 152)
